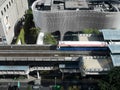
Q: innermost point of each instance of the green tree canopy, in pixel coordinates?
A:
(28, 21)
(90, 31)
(33, 34)
(21, 36)
(49, 39)
(112, 80)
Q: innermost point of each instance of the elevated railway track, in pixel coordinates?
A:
(48, 52)
(41, 51)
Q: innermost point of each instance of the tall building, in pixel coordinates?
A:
(75, 15)
(10, 12)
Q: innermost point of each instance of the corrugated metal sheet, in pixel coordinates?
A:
(114, 48)
(110, 34)
(115, 59)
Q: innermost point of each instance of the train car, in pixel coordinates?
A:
(82, 46)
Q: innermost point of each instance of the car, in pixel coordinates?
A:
(36, 87)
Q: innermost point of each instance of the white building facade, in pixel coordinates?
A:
(58, 17)
(10, 12)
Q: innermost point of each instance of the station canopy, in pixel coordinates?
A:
(110, 34)
(16, 68)
(114, 48)
(115, 59)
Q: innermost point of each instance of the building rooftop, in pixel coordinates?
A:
(96, 63)
(100, 6)
(47, 2)
(76, 4)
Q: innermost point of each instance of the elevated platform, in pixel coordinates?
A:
(17, 68)
(38, 59)
(95, 65)
(20, 70)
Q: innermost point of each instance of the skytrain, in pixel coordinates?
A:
(84, 45)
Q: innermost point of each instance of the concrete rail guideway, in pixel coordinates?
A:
(38, 53)
(48, 53)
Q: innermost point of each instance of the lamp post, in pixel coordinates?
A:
(18, 84)
(55, 81)
(62, 75)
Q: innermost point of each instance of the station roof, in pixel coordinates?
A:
(114, 48)
(109, 34)
(115, 59)
(18, 68)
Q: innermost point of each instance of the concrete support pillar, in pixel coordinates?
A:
(62, 36)
(62, 75)
(38, 75)
(28, 76)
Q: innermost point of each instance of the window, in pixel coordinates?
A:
(4, 9)
(12, 1)
(7, 6)
(9, 3)
(1, 12)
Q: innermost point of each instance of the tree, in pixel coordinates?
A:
(29, 88)
(111, 81)
(114, 77)
(56, 87)
(90, 31)
(28, 21)
(21, 36)
(49, 39)
(33, 34)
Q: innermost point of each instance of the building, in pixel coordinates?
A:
(10, 13)
(75, 15)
